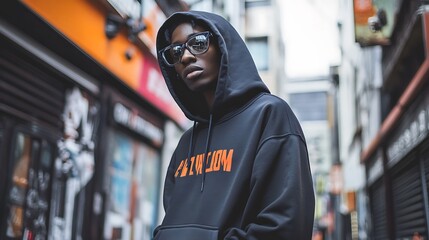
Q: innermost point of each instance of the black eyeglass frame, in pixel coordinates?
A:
(185, 45)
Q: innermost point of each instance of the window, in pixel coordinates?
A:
(29, 194)
(309, 106)
(134, 187)
(257, 3)
(258, 47)
(16, 197)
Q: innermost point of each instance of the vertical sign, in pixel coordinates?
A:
(374, 20)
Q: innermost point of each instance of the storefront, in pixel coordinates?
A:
(132, 168)
(82, 122)
(47, 116)
(398, 181)
(397, 160)
(407, 168)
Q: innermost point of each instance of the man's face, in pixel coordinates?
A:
(199, 72)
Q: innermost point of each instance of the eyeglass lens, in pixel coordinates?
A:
(197, 44)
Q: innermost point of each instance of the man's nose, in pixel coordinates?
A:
(187, 56)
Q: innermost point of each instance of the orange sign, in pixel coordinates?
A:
(83, 22)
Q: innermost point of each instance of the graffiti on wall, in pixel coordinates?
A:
(74, 165)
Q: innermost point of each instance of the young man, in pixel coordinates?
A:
(242, 170)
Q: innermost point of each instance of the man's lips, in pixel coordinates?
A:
(192, 72)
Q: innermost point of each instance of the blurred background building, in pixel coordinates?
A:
(85, 118)
(383, 114)
(87, 126)
(312, 52)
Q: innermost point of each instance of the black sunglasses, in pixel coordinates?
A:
(196, 44)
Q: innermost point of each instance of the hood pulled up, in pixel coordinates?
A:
(238, 80)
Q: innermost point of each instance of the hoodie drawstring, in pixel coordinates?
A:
(191, 143)
(206, 152)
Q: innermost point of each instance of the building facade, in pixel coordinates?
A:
(312, 101)
(83, 116)
(258, 22)
(263, 36)
(384, 80)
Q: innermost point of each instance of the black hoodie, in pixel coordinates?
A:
(255, 183)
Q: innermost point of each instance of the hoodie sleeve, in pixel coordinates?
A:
(281, 201)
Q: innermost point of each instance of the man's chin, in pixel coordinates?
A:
(200, 88)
